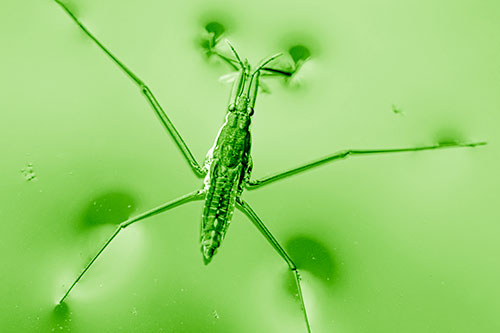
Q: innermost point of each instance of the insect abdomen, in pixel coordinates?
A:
(219, 207)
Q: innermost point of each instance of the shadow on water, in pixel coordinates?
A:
(60, 318)
(111, 207)
(310, 255)
(448, 136)
(210, 36)
(214, 26)
(213, 31)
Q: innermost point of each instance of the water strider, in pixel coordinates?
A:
(228, 165)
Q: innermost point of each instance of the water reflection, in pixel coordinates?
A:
(111, 207)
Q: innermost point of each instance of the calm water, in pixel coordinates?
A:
(402, 243)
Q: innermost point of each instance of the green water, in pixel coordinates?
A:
(401, 243)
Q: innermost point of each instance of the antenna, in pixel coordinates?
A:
(266, 61)
(235, 53)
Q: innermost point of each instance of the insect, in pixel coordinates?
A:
(228, 166)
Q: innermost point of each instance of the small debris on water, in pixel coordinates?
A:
(28, 172)
(134, 311)
(216, 315)
(396, 109)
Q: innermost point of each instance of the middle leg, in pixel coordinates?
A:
(343, 154)
(198, 169)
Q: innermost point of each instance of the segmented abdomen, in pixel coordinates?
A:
(219, 207)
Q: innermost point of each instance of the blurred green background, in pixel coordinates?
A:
(394, 243)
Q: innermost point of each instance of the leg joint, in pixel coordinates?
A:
(345, 153)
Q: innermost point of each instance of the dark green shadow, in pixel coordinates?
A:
(60, 318)
(311, 255)
(112, 207)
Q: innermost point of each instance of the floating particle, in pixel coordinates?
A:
(28, 172)
(397, 110)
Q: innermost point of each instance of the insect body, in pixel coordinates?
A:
(228, 161)
(228, 165)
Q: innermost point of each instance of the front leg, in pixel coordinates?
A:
(148, 94)
(346, 153)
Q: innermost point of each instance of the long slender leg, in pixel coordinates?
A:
(344, 154)
(196, 195)
(231, 62)
(248, 211)
(275, 72)
(234, 64)
(162, 116)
